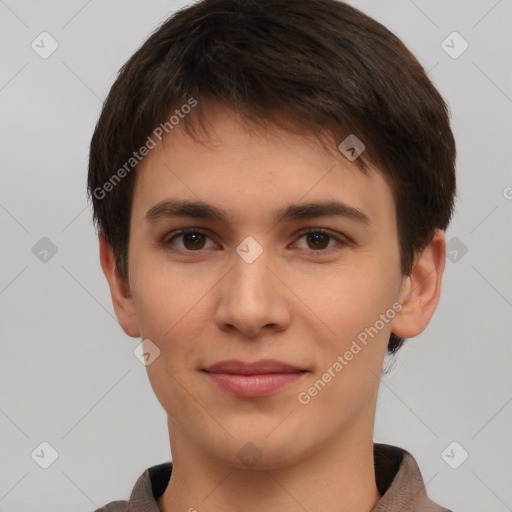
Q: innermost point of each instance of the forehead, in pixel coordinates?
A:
(252, 173)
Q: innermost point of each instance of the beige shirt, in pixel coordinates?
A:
(398, 478)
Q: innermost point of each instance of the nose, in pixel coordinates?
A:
(252, 300)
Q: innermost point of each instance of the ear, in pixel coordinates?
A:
(421, 290)
(122, 299)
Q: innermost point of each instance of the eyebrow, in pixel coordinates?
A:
(199, 209)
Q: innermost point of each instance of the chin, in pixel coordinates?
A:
(260, 452)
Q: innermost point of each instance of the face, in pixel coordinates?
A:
(271, 280)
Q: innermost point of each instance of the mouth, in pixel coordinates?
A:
(255, 379)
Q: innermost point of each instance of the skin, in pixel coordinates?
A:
(294, 303)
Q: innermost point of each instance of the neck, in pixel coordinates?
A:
(339, 477)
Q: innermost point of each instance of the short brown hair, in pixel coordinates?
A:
(324, 65)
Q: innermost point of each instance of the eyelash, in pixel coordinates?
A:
(342, 241)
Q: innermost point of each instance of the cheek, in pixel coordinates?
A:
(357, 308)
(350, 298)
(170, 308)
(172, 313)
(164, 293)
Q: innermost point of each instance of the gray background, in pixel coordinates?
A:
(68, 375)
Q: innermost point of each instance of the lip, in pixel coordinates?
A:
(256, 379)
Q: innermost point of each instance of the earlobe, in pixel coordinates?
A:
(422, 289)
(122, 299)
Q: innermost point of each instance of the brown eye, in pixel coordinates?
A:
(318, 240)
(191, 240)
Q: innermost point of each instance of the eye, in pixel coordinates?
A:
(319, 240)
(192, 238)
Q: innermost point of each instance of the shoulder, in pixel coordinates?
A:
(148, 488)
(400, 482)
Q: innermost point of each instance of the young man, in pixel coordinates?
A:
(271, 181)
